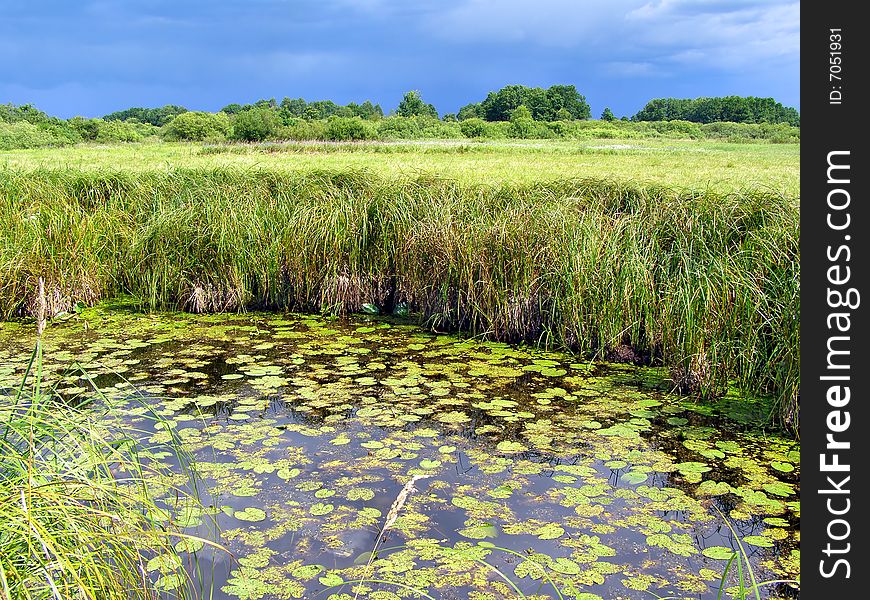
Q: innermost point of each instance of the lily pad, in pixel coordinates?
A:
(564, 566)
(480, 532)
(508, 447)
(254, 515)
(319, 509)
(718, 552)
(758, 540)
(783, 467)
(634, 477)
(550, 531)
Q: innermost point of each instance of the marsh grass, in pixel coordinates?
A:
(82, 498)
(705, 282)
(747, 586)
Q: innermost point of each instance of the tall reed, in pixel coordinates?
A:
(80, 496)
(704, 281)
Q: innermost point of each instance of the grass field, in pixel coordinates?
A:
(676, 164)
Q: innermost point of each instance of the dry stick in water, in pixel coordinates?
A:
(40, 309)
(392, 515)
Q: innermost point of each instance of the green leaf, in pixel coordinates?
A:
(254, 515)
(758, 540)
(718, 552)
(319, 509)
(508, 447)
(634, 477)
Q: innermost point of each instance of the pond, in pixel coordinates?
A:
(502, 471)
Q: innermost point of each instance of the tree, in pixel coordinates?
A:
(294, 107)
(567, 97)
(607, 115)
(471, 111)
(232, 109)
(412, 105)
(88, 129)
(366, 110)
(498, 106)
(156, 116)
(349, 129)
(711, 110)
(544, 105)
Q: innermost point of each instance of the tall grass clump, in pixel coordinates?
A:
(705, 282)
(80, 508)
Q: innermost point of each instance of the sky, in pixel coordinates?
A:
(92, 57)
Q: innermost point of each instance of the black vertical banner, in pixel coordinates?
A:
(835, 299)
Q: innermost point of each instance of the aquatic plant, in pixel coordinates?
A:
(747, 583)
(302, 426)
(84, 509)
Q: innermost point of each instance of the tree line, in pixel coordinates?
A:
(514, 111)
(734, 109)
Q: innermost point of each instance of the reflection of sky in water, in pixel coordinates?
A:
(305, 432)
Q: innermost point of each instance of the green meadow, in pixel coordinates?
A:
(673, 163)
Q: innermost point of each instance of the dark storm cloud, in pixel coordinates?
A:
(94, 57)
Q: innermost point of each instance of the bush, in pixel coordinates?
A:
(255, 125)
(121, 131)
(302, 129)
(523, 126)
(197, 126)
(343, 129)
(26, 135)
(676, 128)
(473, 128)
(741, 132)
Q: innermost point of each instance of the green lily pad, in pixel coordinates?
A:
(550, 531)
(713, 488)
(718, 552)
(508, 447)
(564, 566)
(360, 493)
(783, 467)
(254, 515)
(331, 580)
(758, 540)
(692, 467)
(778, 488)
(634, 477)
(480, 532)
(319, 509)
(454, 417)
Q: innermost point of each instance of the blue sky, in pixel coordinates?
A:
(95, 56)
